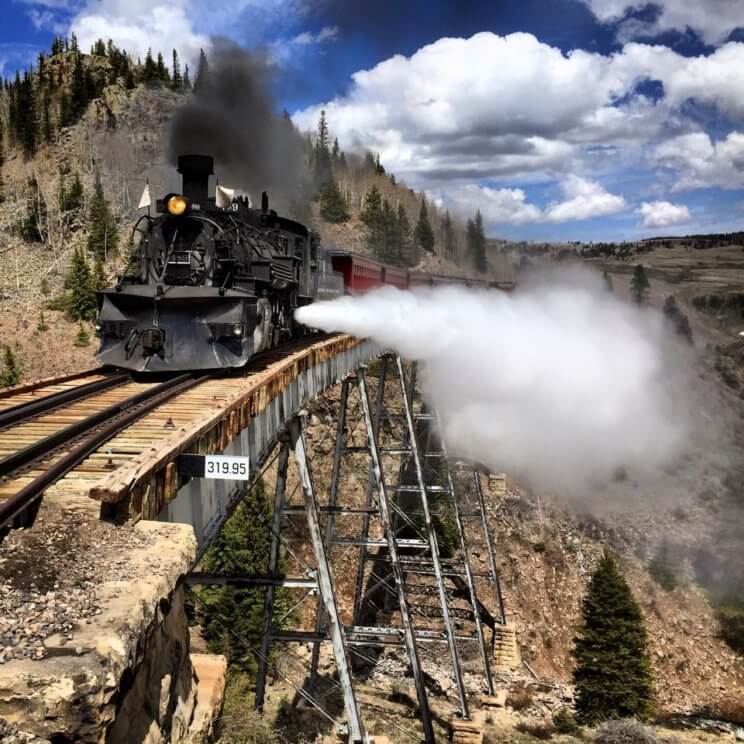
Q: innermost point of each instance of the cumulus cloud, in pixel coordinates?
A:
(663, 214)
(498, 206)
(139, 25)
(437, 118)
(712, 20)
(700, 162)
(584, 200)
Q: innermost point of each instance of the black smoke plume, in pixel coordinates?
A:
(233, 118)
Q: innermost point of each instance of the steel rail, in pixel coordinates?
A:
(47, 445)
(111, 421)
(32, 408)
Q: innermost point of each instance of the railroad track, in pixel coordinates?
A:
(47, 436)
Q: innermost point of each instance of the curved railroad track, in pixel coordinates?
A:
(46, 437)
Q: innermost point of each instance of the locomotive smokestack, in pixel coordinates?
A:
(196, 170)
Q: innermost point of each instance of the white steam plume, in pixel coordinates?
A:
(560, 383)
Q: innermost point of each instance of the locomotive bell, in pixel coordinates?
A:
(196, 170)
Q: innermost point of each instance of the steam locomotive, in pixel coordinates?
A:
(214, 281)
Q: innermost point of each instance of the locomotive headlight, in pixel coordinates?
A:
(238, 330)
(177, 205)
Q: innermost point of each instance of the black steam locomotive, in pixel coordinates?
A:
(212, 281)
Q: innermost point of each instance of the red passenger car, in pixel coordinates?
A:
(360, 273)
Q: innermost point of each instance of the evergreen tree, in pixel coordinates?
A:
(150, 70)
(477, 247)
(639, 285)
(322, 154)
(11, 374)
(332, 203)
(99, 275)
(202, 72)
(162, 70)
(26, 115)
(74, 43)
(82, 338)
(390, 249)
(335, 153)
(423, 233)
(42, 325)
(44, 287)
(613, 672)
(408, 250)
(186, 79)
(379, 170)
(81, 296)
(176, 80)
(373, 221)
(47, 130)
(448, 236)
(71, 199)
(241, 548)
(79, 91)
(103, 239)
(33, 227)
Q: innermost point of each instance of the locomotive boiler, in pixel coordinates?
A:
(211, 282)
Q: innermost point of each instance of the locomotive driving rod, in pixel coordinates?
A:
(124, 414)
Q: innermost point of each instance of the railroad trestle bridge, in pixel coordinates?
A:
(409, 589)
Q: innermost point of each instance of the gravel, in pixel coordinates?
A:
(49, 579)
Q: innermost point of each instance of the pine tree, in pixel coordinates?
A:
(33, 227)
(448, 236)
(373, 221)
(71, 199)
(423, 233)
(150, 70)
(390, 248)
(47, 130)
(478, 247)
(81, 296)
(42, 325)
(241, 548)
(332, 203)
(322, 154)
(186, 79)
(408, 249)
(176, 79)
(202, 72)
(11, 374)
(613, 672)
(44, 287)
(100, 280)
(26, 116)
(103, 239)
(163, 75)
(639, 284)
(82, 338)
(79, 97)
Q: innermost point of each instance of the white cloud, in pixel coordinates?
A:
(583, 200)
(663, 214)
(699, 162)
(512, 107)
(307, 38)
(498, 206)
(713, 20)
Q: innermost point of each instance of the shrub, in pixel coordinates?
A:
(539, 729)
(520, 698)
(624, 731)
(662, 568)
(82, 338)
(731, 620)
(565, 721)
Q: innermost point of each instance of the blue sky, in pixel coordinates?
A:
(559, 119)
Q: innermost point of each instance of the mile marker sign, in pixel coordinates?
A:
(219, 467)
